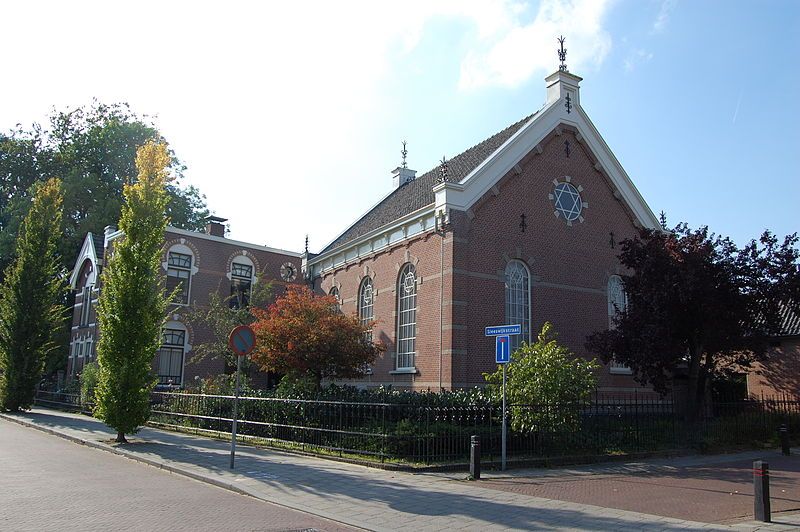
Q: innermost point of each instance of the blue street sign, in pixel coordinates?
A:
(503, 330)
(502, 352)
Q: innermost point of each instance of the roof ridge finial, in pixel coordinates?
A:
(562, 55)
(443, 171)
(306, 243)
(404, 153)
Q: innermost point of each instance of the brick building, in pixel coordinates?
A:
(779, 373)
(198, 264)
(521, 228)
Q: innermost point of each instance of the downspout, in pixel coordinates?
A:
(441, 230)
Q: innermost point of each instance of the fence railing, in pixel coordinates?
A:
(427, 434)
(616, 424)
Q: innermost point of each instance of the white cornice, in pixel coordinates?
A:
(223, 240)
(461, 196)
(405, 227)
(87, 252)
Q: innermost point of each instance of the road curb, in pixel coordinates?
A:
(169, 468)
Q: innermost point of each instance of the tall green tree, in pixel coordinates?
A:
(31, 312)
(698, 306)
(132, 304)
(93, 150)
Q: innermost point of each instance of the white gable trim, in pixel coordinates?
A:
(462, 195)
(87, 252)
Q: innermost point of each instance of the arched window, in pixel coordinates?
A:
(179, 272)
(406, 316)
(617, 304)
(617, 300)
(518, 300)
(171, 354)
(334, 291)
(366, 301)
(241, 281)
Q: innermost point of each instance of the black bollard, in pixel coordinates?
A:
(783, 432)
(475, 458)
(761, 489)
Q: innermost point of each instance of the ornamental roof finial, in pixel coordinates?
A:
(404, 153)
(562, 55)
(443, 170)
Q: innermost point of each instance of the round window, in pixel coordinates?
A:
(567, 200)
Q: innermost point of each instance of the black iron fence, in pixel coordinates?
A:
(386, 431)
(604, 425)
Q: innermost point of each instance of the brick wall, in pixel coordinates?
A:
(569, 265)
(780, 373)
(211, 261)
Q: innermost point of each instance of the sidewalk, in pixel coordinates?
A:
(356, 495)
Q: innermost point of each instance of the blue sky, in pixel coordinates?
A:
(290, 117)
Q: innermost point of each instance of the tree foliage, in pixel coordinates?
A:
(549, 380)
(221, 315)
(304, 334)
(698, 305)
(93, 151)
(132, 304)
(31, 312)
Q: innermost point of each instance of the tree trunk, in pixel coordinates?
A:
(121, 438)
(695, 388)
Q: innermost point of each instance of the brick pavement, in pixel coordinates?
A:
(360, 496)
(710, 489)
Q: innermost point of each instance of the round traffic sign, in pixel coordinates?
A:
(242, 340)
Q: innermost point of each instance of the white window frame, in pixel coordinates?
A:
(242, 260)
(191, 270)
(334, 291)
(513, 301)
(407, 306)
(86, 305)
(366, 309)
(173, 326)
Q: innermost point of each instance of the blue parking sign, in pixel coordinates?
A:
(502, 353)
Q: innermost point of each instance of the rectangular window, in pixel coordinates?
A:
(179, 268)
(241, 282)
(170, 357)
(86, 305)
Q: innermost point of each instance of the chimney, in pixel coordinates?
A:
(215, 226)
(107, 232)
(401, 176)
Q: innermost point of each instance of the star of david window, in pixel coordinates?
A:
(567, 201)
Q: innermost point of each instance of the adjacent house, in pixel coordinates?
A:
(195, 264)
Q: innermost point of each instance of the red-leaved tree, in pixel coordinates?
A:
(699, 305)
(304, 334)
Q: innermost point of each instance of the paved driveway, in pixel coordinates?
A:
(713, 489)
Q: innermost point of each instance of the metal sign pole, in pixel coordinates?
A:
(503, 452)
(236, 409)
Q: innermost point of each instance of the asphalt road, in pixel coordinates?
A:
(47, 483)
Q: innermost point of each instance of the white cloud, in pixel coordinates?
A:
(662, 19)
(636, 58)
(516, 51)
(274, 106)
